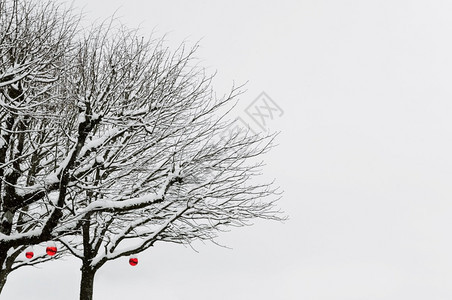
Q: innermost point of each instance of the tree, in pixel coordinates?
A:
(157, 173)
(35, 41)
(113, 145)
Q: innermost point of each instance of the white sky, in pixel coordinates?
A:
(364, 154)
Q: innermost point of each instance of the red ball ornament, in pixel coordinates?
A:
(51, 250)
(29, 254)
(133, 261)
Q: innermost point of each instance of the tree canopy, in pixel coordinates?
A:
(109, 142)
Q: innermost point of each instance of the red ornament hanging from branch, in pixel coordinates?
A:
(133, 261)
(29, 253)
(51, 249)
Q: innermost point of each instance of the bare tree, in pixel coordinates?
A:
(35, 39)
(108, 143)
(155, 171)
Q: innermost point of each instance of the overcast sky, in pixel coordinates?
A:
(364, 154)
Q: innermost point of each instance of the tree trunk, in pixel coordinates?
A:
(6, 264)
(87, 282)
(3, 276)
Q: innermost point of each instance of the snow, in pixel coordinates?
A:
(124, 204)
(96, 143)
(136, 112)
(97, 116)
(81, 118)
(99, 159)
(53, 197)
(18, 236)
(15, 79)
(8, 171)
(49, 180)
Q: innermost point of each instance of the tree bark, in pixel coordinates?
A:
(87, 282)
(3, 277)
(6, 264)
